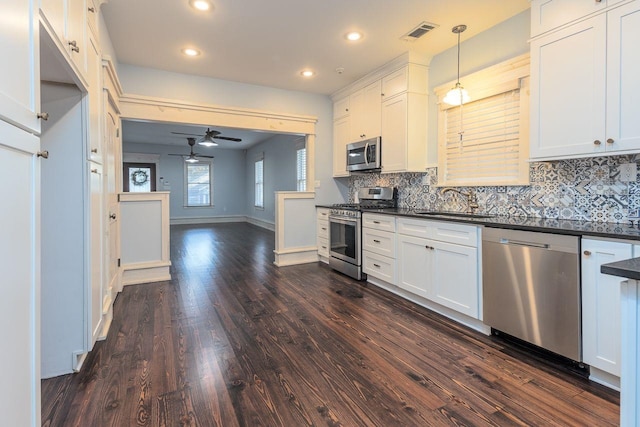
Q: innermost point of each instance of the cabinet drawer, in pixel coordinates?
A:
(450, 232)
(379, 242)
(323, 247)
(414, 227)
(322, 214)
(379, 266)
(379, 222)
(322, 229)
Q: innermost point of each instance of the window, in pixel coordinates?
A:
(139, 177)
(301, 168)
(198, 183)
(486, 141)
(259, 183)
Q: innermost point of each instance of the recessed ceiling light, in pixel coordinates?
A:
(200, 4)
(190, 51)
(354, 36)
(307, 73)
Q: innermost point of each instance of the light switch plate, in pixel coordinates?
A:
(628, 172)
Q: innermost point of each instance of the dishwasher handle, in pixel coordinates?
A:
(523, 243)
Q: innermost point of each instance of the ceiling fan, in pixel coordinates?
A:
(209, 137)
(192, 157)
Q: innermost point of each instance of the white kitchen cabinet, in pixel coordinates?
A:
(66, 22)
(438, 260)
(582, 85)
(341, 108)
(404, 133)
(601, 304)
(365, 110)
(20, 266)
(415, 265)
(379, 246)
(94, 79)
(96, 232)
(19, 45)
(322, 233)
(340, 141)
(547, 15)
(410, 78)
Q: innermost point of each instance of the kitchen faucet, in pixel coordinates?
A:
(472, 201)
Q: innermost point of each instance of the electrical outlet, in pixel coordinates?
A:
(628, 172)
(426, 179)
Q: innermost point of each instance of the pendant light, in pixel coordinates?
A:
(208, 141)
(458, 94)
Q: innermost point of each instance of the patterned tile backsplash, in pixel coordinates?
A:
(582, 189)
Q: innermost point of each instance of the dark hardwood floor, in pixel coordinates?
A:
(234, 341)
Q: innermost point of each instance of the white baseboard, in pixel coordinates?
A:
(269, 225)
(604, 378)
(135, 274)
(207, 219)
(295, 256)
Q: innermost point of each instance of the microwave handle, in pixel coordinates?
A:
(366, 153)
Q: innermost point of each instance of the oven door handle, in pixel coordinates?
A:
(343, 221)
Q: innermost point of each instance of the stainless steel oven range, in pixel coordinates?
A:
(345, 224)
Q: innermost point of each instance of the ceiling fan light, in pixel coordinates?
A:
(207, 141)
(191, 160)
(457, 95)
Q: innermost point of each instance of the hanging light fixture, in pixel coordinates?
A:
(191, 159)
(458, 95)
(208, 141)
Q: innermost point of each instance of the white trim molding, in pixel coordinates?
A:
(295, 228)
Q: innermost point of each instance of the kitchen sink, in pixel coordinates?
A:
(457, 214)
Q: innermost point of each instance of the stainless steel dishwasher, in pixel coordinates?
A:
(531, 288)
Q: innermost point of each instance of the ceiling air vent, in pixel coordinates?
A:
(419, 31)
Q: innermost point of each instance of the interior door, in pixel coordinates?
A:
(112, 167)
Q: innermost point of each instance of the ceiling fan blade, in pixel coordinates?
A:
(208, 157)
(228, 138)
(182, 133)
(178, 154)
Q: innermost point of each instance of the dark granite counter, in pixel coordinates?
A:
(629, 268)
(556, 226)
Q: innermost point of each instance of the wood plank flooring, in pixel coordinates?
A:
(234, 341)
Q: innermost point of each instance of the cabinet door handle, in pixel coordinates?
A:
(429, 247)
(43, 116)
(74, 46)
(376, 222)
(324, 228)
(94, 170)
(44, 154)
(94, 150)
(587, 253)
(597, 142)
(376, 241)
(610, 141)
(112, 216)
(376, 265)
(91, 9)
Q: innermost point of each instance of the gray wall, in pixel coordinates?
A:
(228, 179)
(279, 173)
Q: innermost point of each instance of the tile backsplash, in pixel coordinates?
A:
(582, 189)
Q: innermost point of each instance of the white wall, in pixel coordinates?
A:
(228, 179)
(163, 84)
(497, 44)
(279, 173)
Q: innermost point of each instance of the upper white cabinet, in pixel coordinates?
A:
(66, 21)
(601, 342)
(19, 92)
(547, 15)
(583, 85)
(393, 105)
(364, 108)
(94, 79)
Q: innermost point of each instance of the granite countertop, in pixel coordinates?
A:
(629, 268)
(556, 226)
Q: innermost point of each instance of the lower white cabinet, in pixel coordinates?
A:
(446, 273)
(601, 342)
(322, 234)
(379, 246)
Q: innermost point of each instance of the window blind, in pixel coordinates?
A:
(198, 184)
(482, 142)
(259, 183)
(301, 169)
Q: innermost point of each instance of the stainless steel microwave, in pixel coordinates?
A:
(364, 155)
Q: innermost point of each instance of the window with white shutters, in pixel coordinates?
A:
(301, 169)
(486, 141)
(259, 183)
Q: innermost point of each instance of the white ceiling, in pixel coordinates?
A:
(270, 42)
